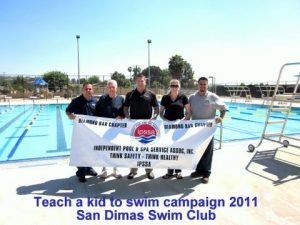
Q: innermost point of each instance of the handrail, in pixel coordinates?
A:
(221, 136)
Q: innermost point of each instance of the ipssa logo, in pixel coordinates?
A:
(145, 132)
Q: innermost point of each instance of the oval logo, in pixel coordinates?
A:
(145, 132)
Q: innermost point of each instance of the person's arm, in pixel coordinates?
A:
(120, 113)
(221, 107)
(155, 115)
(97, 109)
(126, 105)
(155, 106)
(126, 112)
(70, 115)
(70, 111)
(220, 118)
(187, 112)
(161, 112)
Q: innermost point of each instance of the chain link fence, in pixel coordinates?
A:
(22, 86)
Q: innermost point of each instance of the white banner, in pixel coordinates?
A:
(98, 141)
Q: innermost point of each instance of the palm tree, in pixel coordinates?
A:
(136, 70)
(130, 70)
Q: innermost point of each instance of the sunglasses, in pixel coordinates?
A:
(174, 86)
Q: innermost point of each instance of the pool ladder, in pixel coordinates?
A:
(288, 98)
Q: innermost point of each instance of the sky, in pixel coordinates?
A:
(234, 41)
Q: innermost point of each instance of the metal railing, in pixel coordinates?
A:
(220, 140)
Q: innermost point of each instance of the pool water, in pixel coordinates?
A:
(34, 131)
(247, 121)
(43, 131)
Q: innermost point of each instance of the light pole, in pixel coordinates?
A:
(149, 76)
(77, 37)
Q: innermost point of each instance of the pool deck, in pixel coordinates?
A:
(27, 101)
(268, 177)
(61, 100)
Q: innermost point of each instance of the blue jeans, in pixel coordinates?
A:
(204, 164)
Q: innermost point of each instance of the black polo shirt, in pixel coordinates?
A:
(140, 104)
(109, 107)
(82, 106)
(174, 109)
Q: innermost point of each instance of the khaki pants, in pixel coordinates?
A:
(134, 170)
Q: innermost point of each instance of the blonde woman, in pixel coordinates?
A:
(172, 108)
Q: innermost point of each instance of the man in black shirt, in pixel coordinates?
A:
(84, 105)
(110, 105)
(138, 105)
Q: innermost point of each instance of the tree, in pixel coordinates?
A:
(5, 86)
(73, 81)
(165, 78)
(176, 65)
(93, 80)
(181, 70)
(19, 83)
(121, 79)
(56, 80)
(136, 70)
(130, 70)
(155, 73)
(156, 84)
(82, 80)
(187, 75)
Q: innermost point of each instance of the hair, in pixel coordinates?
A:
(140, 75)
(202, 78)
(171, 81)
(175, 80)
(114, 82)
(85, 84)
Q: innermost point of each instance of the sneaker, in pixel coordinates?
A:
(116, 174)
(82, 179)
(103, 173)
(196, 174)
(131, 175)
(150, 175)
(205, 180)
(91, 172)
(178, 176)
(167, 176)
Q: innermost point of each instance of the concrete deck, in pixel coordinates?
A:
(265, 184)
(61, 100)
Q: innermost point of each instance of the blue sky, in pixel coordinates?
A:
(235, 41)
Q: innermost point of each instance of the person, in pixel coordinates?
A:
(172, 108)
(84, 105)
(139, 104)
(204, 104)
(110, 105)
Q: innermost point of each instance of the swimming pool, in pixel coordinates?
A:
(43, 131)
(246, 121)
(34, 131)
